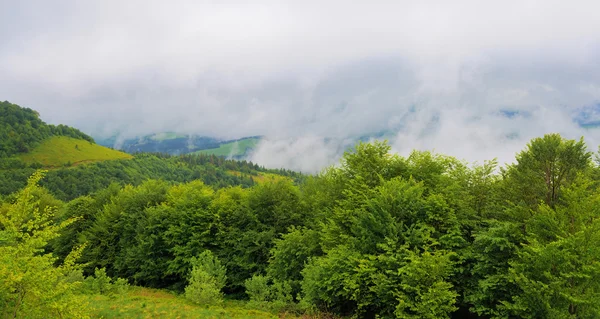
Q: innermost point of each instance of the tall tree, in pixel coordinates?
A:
(547, 165)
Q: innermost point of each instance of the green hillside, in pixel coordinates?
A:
(233, 149)
(59, 151)
(21, 130)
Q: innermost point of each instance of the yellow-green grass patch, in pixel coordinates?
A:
(260, 177)
(152, 303)
(59, 151)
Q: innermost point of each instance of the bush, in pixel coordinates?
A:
(207, 278)
(274, 297)
(101, 284)
(257, 289)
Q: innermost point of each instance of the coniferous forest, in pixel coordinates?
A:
(376, 236)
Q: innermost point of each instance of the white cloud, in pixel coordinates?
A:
(297, 71)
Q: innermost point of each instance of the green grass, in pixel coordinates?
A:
(261, 177)
(166, 136)
(153, 303)
(59, 151)
(237, 148)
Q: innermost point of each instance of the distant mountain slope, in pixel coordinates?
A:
(58, 151)
(176, 143)
(233, 149)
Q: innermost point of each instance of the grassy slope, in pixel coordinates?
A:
(152, 303)
(236, 148)
(60, 150)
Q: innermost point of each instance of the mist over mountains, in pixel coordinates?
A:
(467, 79)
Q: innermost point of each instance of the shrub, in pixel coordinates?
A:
(257, 289)
(274, 297)
(101, 284)
(207, 278)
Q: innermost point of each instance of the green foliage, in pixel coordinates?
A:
(30, 285)
(70, 183)
(101, 284)
(424, 291)
(290, 254)
(547, 165)
(380, 236)
(257, 289)
(207, 278)
(263, 294)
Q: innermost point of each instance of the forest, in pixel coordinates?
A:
(376, 236)
(68, 183)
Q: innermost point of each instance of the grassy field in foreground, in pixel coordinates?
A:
(60, 150)
(237, 148)
(152, 303)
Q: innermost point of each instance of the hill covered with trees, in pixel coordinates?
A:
(78, 166)
(21, 129)
(378, 236)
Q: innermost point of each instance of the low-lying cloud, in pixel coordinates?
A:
(471, 79)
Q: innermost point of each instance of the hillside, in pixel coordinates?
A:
(21, 130)
(232, 149)
(60, 151)
(68, 183)
(176, 143)
(27, 144)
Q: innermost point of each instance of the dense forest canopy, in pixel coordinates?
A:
(378, 236)
(70, 182)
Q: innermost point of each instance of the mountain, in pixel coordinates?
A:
(59, 151)
(27, 141)
(21, 130)
(78, 166)
(176, 143)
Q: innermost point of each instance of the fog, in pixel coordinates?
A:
(466, 78)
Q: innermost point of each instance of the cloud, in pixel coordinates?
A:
(309, 75)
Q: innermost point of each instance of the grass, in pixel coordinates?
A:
(261, 177)
(152, 303)
(237, 148)
(59, 151)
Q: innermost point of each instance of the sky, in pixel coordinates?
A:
(471, 79)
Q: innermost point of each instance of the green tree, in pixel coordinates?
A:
(545, 167)
(30, 285)
(207, 278)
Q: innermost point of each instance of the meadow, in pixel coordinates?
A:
(58, 151)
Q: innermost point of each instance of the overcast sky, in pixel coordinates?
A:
(447, 76)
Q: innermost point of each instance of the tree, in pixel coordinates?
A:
(30, 285)
(545, 167)
(207, 278)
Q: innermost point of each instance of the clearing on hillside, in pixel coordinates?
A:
(59, 151)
